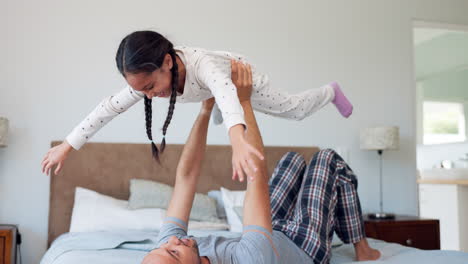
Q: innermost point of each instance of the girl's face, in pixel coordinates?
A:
(157, 83)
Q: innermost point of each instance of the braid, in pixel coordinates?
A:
(172, 100)
(145, 51)
(148, 118)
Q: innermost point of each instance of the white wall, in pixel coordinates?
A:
(58, 62)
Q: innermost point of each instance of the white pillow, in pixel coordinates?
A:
(216, 194)
(93, 211)
(152, 194)
(217, 226)
(233, 201)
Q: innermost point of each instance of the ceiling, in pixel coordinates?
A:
(439, 51)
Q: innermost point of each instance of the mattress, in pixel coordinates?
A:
(130, 247)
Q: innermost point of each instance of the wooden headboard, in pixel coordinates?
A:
(108, 167)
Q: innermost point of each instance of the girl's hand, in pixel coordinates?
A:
(242, 151)
(55, 156)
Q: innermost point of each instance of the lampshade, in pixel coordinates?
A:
(3, 131)
(380, 138)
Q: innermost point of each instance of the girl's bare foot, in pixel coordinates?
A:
(365, 252)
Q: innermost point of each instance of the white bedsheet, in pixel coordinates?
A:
(395, 253)
(130, 247)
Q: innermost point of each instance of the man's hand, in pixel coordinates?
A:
(257, 201)
(207, 106)
(242, 150)
(241, 76)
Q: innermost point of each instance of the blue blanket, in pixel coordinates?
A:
(130, 247)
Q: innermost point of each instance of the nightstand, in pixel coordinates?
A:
(8, 244)
(410, 231)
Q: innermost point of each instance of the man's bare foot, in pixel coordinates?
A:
(365, 252)
(370, 254)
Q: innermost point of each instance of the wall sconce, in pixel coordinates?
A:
(3, 131)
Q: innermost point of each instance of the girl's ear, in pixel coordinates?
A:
(168, 61)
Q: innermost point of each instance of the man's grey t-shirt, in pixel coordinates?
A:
(255, 246)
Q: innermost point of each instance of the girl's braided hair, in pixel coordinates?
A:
(144, 51)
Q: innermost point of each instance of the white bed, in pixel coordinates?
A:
(129, 247)
(99, 166)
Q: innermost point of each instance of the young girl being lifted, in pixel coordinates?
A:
(153, 67)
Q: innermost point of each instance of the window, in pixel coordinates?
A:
(443, 122)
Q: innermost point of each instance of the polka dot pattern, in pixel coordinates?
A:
(208, 74)
(102, 114)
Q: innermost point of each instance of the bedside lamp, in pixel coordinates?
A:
(3, 131)
(380, 139)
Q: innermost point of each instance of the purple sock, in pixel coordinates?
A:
(341, 102)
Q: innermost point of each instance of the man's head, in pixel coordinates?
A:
(175, 251)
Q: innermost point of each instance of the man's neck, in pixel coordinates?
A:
(205, 260)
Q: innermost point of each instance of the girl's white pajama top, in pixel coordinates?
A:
(208, 74)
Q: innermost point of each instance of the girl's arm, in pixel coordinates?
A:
(98, 118)
(216, 76)
(242, 159)
(242, 154)
(257, 201)
(104, 112)
(212, 74)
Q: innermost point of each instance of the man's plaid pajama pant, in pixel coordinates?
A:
(309, 203)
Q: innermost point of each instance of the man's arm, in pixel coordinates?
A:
(257, 199)
(257, 210)
(189, 166)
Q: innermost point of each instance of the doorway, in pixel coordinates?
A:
(441, 78)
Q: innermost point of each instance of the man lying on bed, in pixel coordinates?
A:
(308, 204)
